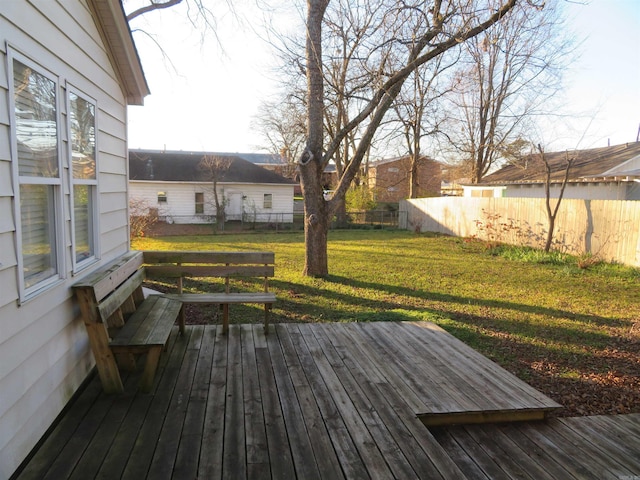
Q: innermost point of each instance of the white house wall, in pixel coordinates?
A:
(44, 354)
(180, 205)
(282, 206)
(578, 191)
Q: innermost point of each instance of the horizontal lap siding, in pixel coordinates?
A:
(282, 200)
(44, 354)
(181, 197)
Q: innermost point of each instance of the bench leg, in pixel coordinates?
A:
(267, 309)
(181, 320)
(150, 367)
(105, 359)
(225, 317)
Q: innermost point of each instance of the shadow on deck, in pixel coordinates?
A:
(329, 401)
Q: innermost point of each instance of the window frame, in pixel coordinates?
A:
(267, 204)
(198, 205)
(91, 184)
(56, 211)
(162, 197)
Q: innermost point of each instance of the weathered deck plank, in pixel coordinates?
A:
(325, 401)
(571, 448)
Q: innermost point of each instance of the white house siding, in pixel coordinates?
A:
(44, 354)
(180, 205)
(579, 191)
(282, 202)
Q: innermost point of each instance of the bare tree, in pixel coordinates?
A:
(282, 126)
(506, 79)
(552, 212)
(215, 167)
(418, 110)
(420, 33)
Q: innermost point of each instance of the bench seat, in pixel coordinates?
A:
(146, 331)
(222, 298)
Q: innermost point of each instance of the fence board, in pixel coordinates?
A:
(609, 229)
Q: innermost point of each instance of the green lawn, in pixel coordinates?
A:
(563, 329)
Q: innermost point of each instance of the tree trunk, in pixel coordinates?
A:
(552, 226)
(415, 159)
(316, 214)
(316, 221)
(316, 229)
(219, 226)
(341, 213)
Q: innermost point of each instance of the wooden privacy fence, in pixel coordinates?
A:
(609, 229)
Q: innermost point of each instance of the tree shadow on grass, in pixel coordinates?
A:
(501, 304)
(294, 297)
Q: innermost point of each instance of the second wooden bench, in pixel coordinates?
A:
(178, 265)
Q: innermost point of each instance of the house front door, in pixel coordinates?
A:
(234, 207)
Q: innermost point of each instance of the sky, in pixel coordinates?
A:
(204, 97)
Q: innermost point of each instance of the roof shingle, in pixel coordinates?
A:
(587, 164)
(156, 165)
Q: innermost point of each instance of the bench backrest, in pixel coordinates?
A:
(177, 265)
(112, 292)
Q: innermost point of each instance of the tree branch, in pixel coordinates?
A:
(154, 5)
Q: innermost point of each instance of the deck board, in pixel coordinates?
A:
(326, 401)
(571, 448)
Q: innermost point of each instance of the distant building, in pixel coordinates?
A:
(607, 173)
(176, 186)
(390, 179)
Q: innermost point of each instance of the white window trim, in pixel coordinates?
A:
(264, 201)
(25, 293)
(95, 227)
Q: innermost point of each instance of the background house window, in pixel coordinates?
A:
(162, 197)
(267, 201)
(393, 170)
(199, 203)
(82, 126)
(37, 169)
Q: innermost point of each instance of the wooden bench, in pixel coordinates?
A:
(227, 265)
(121, 323)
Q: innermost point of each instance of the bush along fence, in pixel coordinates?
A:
(607, 229)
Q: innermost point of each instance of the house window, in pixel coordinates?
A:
(162, 197)
(393, 170)
(82, 128)
(199, 203)
(267, 201)
(36, 166)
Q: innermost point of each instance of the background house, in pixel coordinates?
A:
(390, 179)
(607, 173)
(68, 70)
(176, 184)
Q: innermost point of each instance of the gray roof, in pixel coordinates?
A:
(164, 166)
(259, 158)
(593, 164)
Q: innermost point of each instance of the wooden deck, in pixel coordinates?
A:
(310, 401)
(581, 448)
